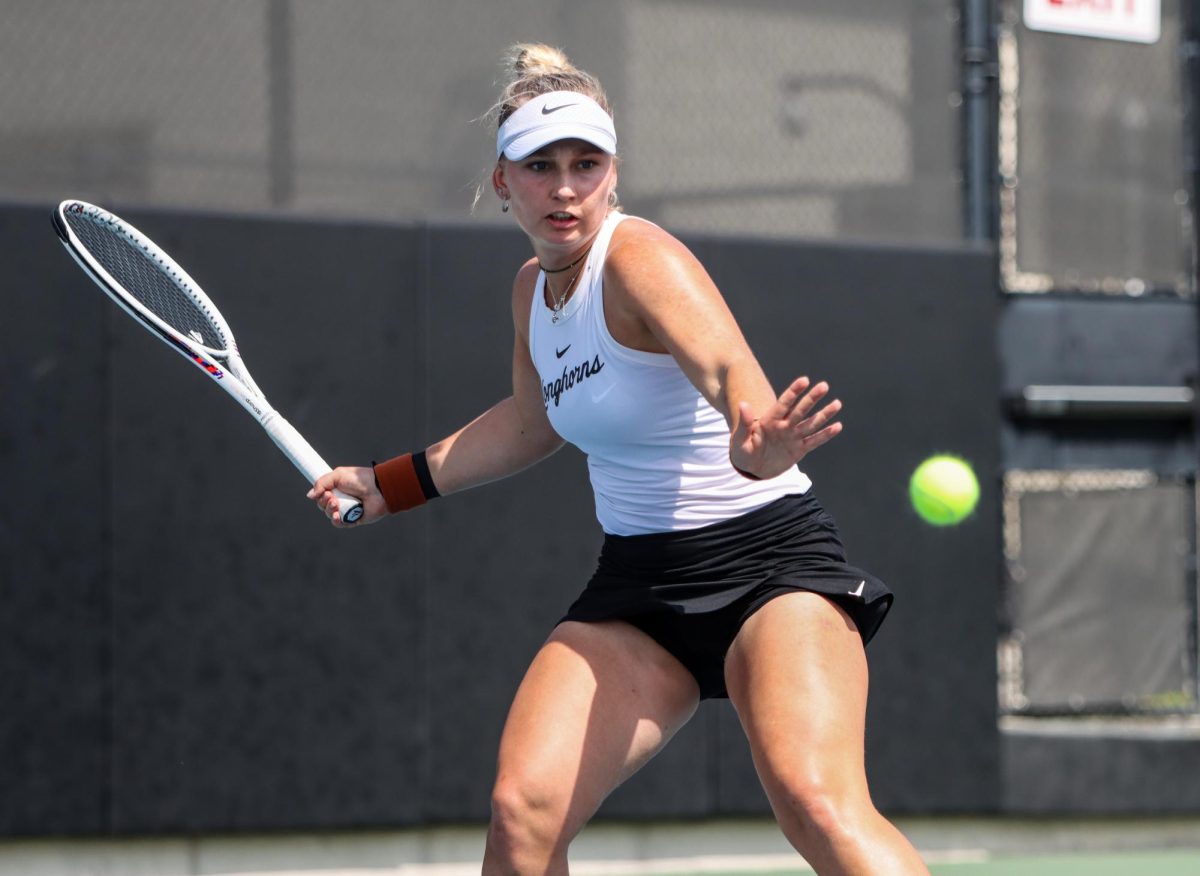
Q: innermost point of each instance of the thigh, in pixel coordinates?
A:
(797, 676)
(597, 702)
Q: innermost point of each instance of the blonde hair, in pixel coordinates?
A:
(536, 68)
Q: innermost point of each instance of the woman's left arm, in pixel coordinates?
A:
(663, 300)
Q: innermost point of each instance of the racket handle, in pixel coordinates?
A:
(310, 463)
(349, 508)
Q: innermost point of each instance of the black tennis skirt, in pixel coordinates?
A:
(692, 590)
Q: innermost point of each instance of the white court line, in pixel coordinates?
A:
(647, 867)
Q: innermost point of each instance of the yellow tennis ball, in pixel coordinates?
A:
(943, 490)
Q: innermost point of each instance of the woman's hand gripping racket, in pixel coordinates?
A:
(155, 291)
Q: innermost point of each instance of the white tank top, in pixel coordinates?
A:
(657, 451)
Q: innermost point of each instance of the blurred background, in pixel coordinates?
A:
(974, 217)
(374, 109)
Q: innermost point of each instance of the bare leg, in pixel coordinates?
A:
(598, 701)
(797, 675)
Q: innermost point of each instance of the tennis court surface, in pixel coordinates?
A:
(749, 847)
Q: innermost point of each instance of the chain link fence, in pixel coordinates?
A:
(1095, 194)
(1100, 614)
(762, 117)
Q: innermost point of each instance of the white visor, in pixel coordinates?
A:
(559, 115)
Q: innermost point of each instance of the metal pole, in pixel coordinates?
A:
(979, 75)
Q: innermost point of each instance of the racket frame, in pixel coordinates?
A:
(234, 377)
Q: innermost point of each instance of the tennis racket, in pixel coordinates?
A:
(158, 293)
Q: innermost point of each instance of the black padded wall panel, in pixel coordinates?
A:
(906, 340)
(54, 538)
(229, 662)
(268, 671)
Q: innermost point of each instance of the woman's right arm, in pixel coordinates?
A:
(507, 438)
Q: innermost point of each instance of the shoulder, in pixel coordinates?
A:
(644, 259)
(523, 286)
(638, 243)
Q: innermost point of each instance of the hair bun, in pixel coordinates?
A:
(534, 58)
(536, 68)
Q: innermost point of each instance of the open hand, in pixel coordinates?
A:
(796, 424)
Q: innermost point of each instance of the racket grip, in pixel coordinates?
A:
(349, 508)
(308, 461)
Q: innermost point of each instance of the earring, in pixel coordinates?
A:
(504, 206)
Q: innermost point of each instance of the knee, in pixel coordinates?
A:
(528, 822)
(818, 810)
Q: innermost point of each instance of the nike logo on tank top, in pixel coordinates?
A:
(657, 451)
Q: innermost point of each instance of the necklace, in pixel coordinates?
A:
(546, 270)
(560, 301)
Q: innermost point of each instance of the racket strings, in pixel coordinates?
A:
(147, 281)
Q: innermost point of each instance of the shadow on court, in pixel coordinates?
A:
(1179, 863)
(1142, 863)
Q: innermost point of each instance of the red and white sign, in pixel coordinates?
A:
(1138, 21)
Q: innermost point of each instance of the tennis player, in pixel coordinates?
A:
(720, 574)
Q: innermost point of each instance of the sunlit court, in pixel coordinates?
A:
(643, 438)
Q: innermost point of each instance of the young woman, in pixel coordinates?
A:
(720, 574)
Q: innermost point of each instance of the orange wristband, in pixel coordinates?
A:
(405, 482)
